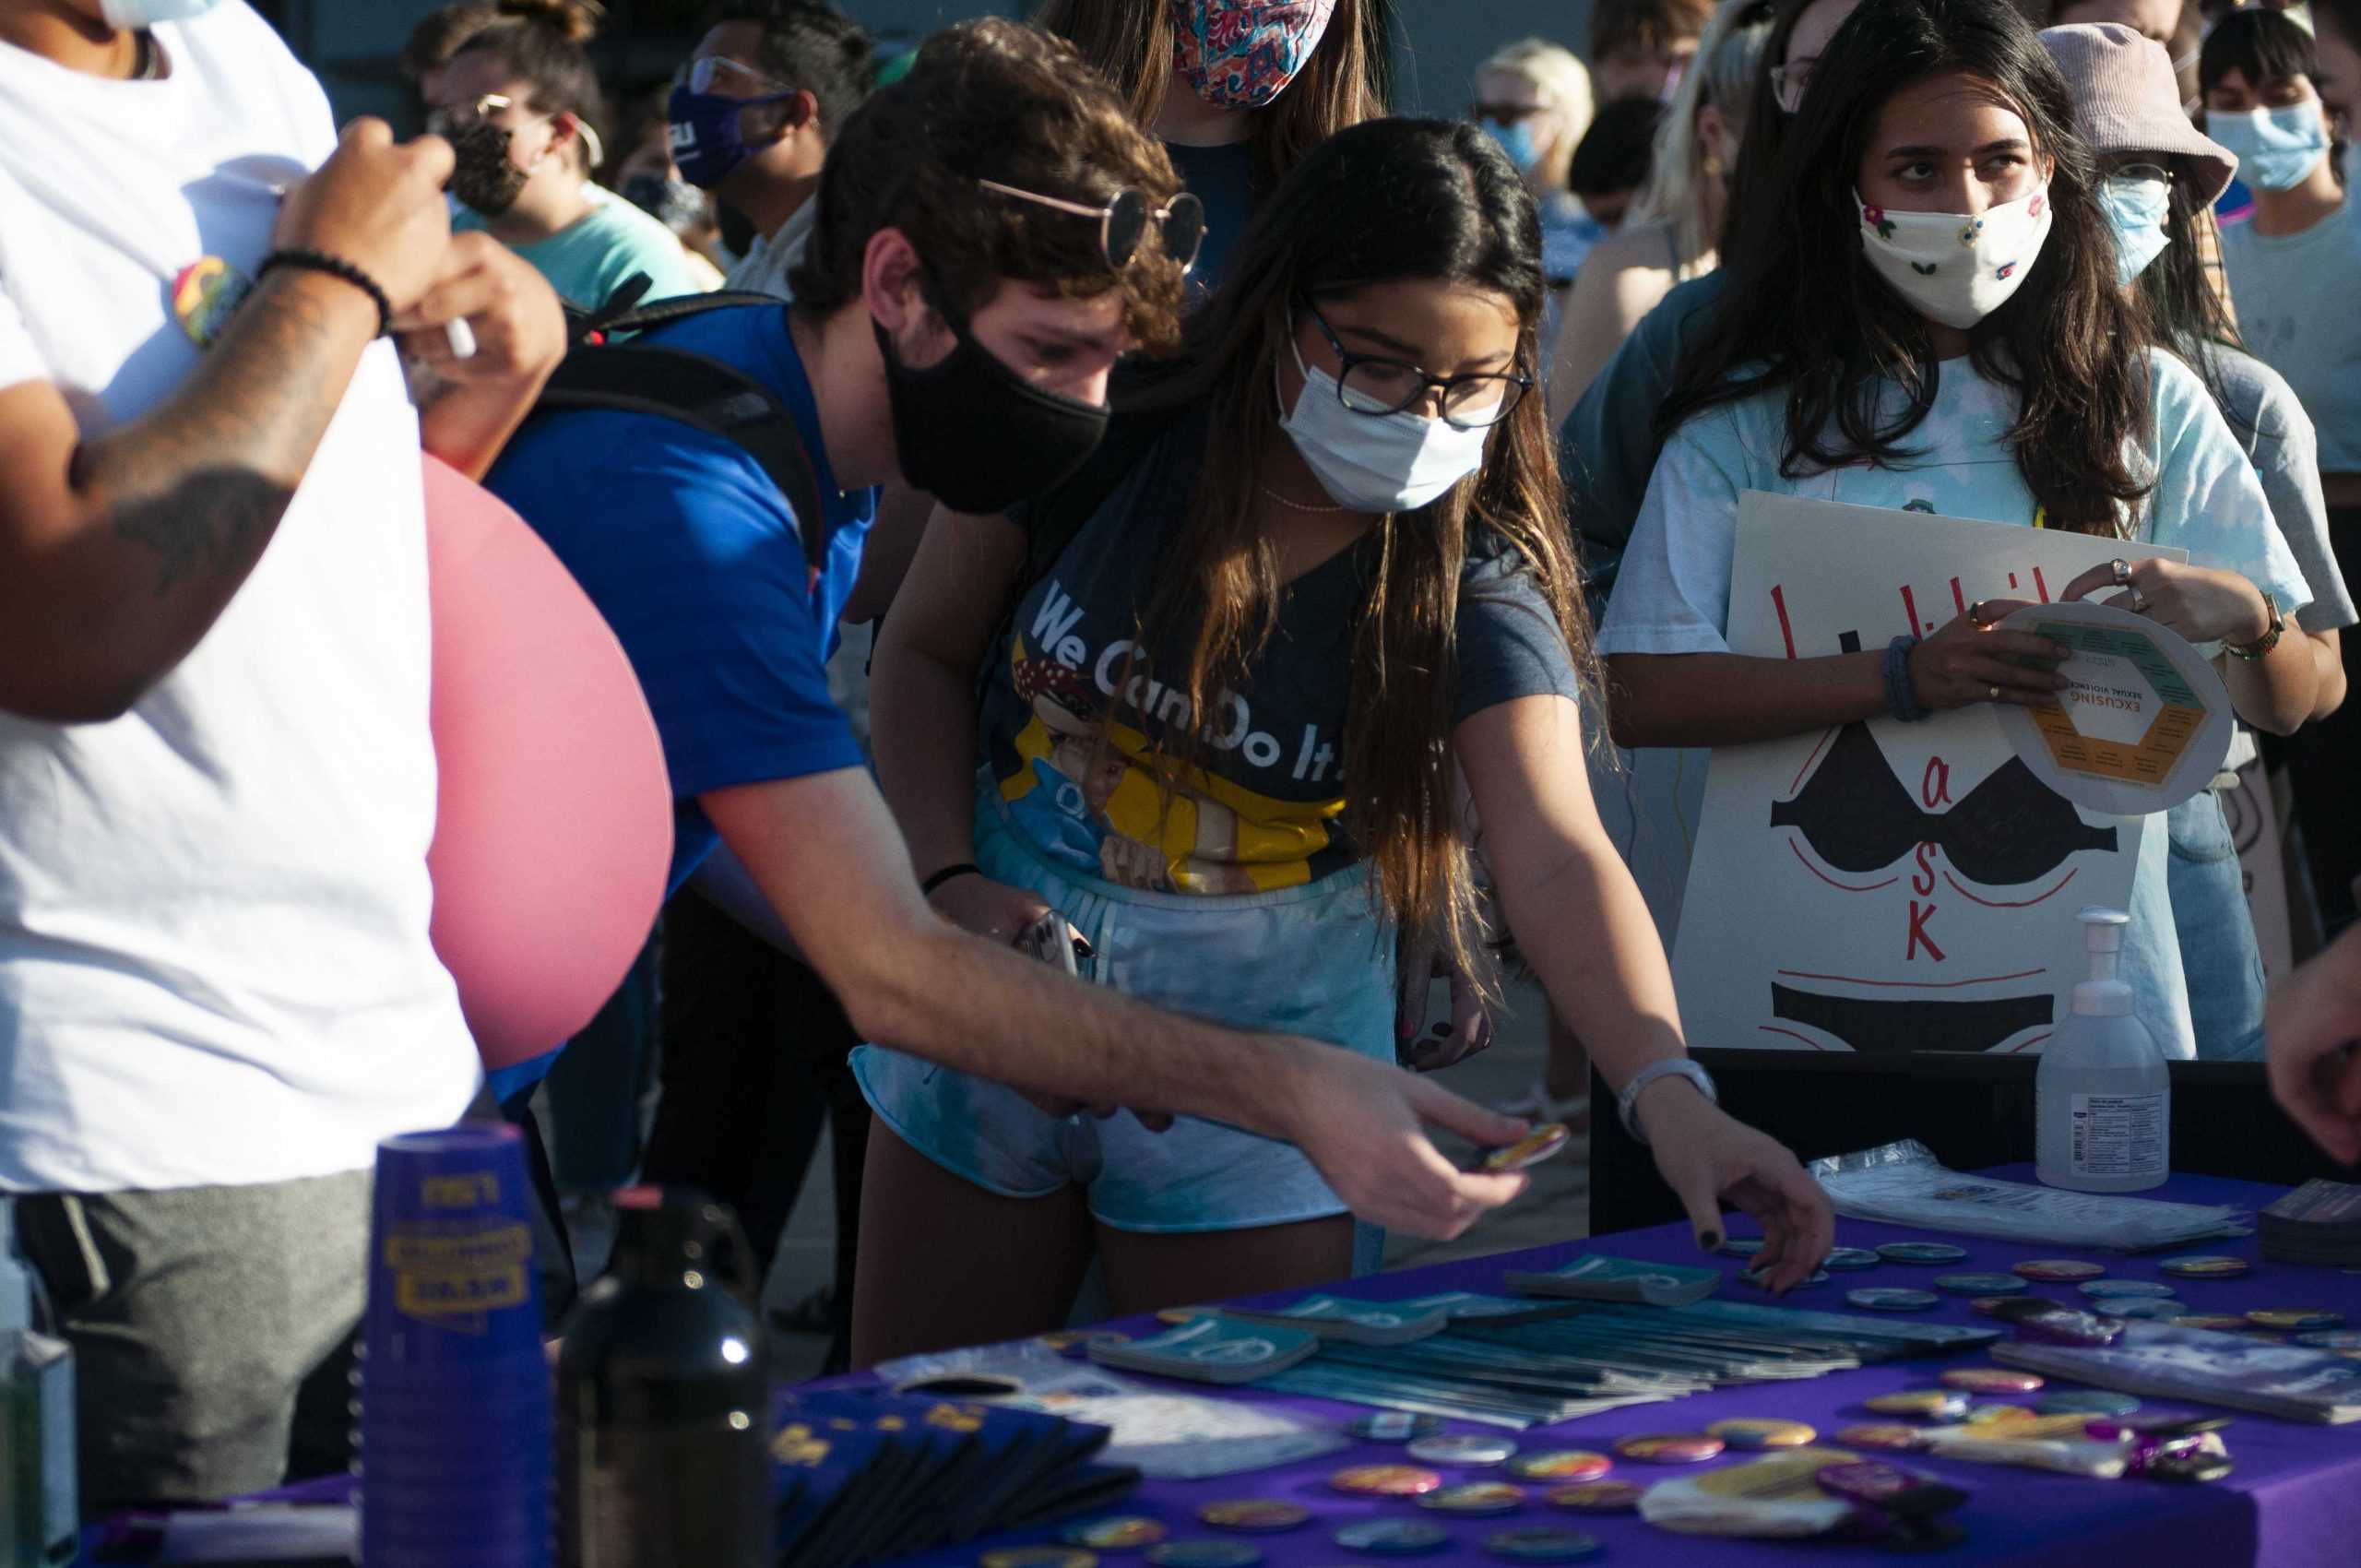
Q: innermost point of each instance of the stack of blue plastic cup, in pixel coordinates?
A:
(456, 1437)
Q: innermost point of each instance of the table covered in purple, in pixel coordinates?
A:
(2294, 1500)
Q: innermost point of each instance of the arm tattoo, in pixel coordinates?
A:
(202, 483)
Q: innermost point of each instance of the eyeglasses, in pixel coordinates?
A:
(1124, 223)
(450, 121)
(2141, 172)
(460, 116)
(1375, 386)
(706, 73)
(1506, 113)
(1789, 82)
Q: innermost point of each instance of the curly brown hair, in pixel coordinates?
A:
(993, 100)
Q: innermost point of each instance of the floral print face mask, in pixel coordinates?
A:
(1951, 268)
(1242, 54)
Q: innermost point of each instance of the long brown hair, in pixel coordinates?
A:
(1349, 77)
(1804, 313)
(1385, 201)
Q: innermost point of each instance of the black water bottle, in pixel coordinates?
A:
(663, 1398)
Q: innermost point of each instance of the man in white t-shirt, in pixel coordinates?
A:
(217, 784)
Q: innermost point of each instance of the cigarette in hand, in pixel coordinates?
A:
(462, 337)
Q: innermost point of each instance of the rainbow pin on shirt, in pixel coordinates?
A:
(206, 294)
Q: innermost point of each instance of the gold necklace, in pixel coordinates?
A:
(1292, 506)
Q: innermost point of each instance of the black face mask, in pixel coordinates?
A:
(482, 175)
(978, 437)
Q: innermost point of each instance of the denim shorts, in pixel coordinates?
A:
(1315, 960)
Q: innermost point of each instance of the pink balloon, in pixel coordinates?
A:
(554, 835)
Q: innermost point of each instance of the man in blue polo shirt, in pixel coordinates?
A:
(955, 329)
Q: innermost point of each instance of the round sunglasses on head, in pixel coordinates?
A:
(1123, 221)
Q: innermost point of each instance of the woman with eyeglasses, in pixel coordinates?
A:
(1238, 90)
(1246, 692)
(2162, 179)
(1927, 315)
(518, 102)
(1673, 230)
(2291, 267)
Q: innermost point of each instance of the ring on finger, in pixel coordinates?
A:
(2122, 570)
(2139, 602)
(1975, 615)
(1995, 691)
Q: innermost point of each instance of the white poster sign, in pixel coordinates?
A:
(1880, 885)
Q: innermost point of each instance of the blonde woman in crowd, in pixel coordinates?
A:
(1673, 231)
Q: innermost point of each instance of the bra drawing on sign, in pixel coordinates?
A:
(2009, 830)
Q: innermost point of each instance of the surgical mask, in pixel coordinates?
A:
(1242, 54)
(2352, 166)
(482, 175)
(676, 203)
(978, 437)
(2276, 149)
(2136, 210)
(1951, 268)
(1516, 140)
(706, 146)
(137, 14)
(1395, 462)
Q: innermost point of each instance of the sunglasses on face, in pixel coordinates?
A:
(1123, 221)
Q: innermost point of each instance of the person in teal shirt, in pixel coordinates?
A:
(1893, 394)
(518, 102)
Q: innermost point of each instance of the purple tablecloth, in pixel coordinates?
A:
(2294, 1501)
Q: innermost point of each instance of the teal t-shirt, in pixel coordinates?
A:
(1673, 594)
(2293, 297)
(586, 261)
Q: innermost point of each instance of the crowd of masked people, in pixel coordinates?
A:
(1267, 513)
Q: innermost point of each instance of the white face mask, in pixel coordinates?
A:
(1395, 462)
(1951, 268)
(137, 14)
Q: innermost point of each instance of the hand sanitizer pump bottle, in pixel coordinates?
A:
(2102, 1097)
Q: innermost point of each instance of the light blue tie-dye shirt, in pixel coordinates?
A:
(1672, 595)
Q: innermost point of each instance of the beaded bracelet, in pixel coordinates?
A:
(335, 266)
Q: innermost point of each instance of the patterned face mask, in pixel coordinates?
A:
(1951, 268)
(1242, 54)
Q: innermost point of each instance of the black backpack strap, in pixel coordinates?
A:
(645, 378)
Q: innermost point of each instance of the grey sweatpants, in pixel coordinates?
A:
(211, 1329)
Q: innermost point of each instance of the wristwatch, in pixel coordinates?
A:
(2269, 640)
(1627, 1103)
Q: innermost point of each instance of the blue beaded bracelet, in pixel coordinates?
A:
(1901, 695)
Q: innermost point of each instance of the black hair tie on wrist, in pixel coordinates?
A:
(964, 868)
(335, 266)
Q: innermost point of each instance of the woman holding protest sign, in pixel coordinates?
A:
(1928, 317)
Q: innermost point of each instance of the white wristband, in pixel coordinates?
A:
(1627, 1103)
